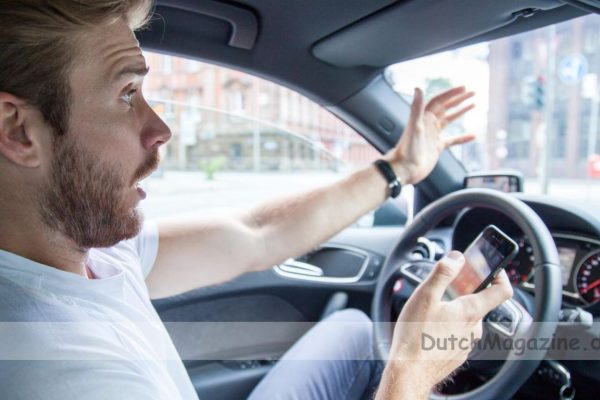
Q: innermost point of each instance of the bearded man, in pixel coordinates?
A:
(78, 265)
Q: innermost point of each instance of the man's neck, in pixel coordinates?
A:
(35, 241)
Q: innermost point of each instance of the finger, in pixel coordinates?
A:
(502, 279)
(447, 95)
(454, 116)
(456, 100)
(478, 330)
(479, 304)
(417, 107)
(443, 273)
(454, 140)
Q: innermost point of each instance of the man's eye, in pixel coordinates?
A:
(128, 97)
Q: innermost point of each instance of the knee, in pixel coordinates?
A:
(351, 315)
(356, 323)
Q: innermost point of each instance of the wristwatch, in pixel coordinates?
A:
(390, 176)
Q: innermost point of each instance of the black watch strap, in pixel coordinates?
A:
(390, 176)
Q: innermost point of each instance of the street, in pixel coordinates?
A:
(189, 193)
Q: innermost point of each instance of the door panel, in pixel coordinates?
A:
(207, 324)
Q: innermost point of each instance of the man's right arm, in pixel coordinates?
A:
(413, 369)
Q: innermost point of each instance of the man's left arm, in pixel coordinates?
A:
(206, 251)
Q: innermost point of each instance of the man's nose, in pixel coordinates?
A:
(156, 132)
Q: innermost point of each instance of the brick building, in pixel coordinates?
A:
(248, 123)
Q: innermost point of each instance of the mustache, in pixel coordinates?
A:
(147, 167)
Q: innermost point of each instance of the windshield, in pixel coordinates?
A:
(537, 104)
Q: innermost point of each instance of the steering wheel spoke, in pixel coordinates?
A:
(506, 319)
(416, 271)
(504, 324)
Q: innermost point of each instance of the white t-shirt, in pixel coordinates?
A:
(66, 337)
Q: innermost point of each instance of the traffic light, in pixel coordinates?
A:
(532, 92)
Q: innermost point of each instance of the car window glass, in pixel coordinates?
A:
(239, 140)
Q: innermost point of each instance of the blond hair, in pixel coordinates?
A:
(37, 46)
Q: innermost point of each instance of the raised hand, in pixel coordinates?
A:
(422, 142)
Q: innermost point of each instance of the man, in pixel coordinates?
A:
(76, 137)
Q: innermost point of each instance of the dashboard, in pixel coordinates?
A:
(576, 233)
(580, 262)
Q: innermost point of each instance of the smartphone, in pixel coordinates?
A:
(485, 257)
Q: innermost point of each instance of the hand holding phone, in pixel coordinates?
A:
(485, 257)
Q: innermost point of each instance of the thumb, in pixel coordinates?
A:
(444, 272)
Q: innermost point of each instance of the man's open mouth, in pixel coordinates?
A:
(139, 184)
(140, 191)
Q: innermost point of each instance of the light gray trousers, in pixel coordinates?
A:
(332, 361)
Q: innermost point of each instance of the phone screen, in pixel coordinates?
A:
(491, 250)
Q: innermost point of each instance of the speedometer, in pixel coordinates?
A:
(520, 269)
(587, 278)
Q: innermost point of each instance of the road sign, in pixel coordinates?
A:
(572, 69)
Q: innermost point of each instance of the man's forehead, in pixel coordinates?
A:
(109, 51)
(122, 60)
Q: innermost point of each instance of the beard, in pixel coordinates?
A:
(85, 198)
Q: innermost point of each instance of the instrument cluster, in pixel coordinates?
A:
(580, 263)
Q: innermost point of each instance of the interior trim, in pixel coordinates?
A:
(352, 46)
(243, 22)
(308, 272)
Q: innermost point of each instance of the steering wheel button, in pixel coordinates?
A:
(397, 286)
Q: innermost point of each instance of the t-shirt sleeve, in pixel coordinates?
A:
(137, 254)
(146, 245)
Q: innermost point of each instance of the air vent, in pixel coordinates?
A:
(330, 263)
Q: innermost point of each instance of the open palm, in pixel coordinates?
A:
(422, 142)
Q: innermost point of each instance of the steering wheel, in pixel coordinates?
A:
(548, 287)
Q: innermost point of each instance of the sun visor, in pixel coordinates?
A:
(414, 28)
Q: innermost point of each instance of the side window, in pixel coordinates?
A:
(239, 140)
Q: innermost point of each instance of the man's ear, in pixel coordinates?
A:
(18, 125)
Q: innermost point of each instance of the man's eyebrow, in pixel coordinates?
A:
(131, 70)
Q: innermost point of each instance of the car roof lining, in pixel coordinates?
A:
(388, 36)
(549, 17)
